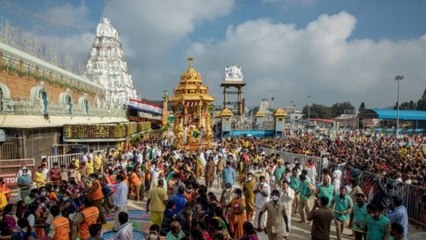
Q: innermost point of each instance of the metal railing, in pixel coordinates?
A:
(62, 159)
(303, 159)
(412, 195)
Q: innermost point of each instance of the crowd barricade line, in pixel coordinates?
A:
(64, 159)
(413, 196)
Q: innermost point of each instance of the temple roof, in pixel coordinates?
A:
(191, 87)
(226, 113)
(280, 113)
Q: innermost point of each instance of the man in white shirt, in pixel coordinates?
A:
(155, 173)
(287, 197)
(85, 157)
(310, 168)
(262, 191)
(120, 199)
(337, 175)
(125, 231)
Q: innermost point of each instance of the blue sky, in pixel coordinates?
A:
(332, 50)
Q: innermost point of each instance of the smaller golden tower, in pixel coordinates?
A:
(192, 127)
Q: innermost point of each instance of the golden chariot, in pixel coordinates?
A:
(192, 126)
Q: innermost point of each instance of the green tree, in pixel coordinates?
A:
(411, 105)
(316, 111)
(421, 104)
(339, 108)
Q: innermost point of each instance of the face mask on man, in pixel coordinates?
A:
(274, 197)
(153, 236)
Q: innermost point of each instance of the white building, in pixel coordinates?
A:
(107, 65)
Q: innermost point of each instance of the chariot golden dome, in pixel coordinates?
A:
(191, 87)
(191, 75)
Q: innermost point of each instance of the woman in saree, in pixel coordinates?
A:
(237, 216)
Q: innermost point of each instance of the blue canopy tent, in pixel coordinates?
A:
(392, 114)
(389, 116)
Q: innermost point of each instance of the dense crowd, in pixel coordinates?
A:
(402, 159)
(259, 192)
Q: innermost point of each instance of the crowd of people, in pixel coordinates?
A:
(258, 193)
(402, 159)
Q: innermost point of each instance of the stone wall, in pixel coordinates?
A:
(20, 88)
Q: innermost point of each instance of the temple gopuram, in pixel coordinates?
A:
(191, 108)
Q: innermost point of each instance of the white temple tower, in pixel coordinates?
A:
(107, 65)
(233, 79)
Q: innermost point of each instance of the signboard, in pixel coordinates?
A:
(2, 135)
(9, 170)
(10, 179)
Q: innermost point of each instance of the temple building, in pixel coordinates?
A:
(107, 65)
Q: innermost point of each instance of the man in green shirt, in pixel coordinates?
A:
(278, 172)
(295, 184)
(378, 226)
(306, 197)
(342, 207)
(326, 189)
(358, 217)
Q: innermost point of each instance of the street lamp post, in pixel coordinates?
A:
(398, 78)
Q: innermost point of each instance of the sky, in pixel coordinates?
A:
(330, 50)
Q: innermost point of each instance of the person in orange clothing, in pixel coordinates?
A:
(52, 193)
(4, 189)
(60, 227)
(95, 194)
(136, 184)
(84, 219)
(237, 216)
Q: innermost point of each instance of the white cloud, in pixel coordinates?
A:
(73, 42)
(317, 60)
(68, 14)
(75, 46)
(160, 24)
(153, 31)
(287, 3)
